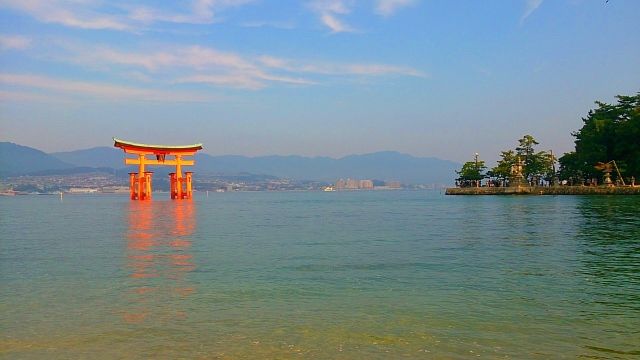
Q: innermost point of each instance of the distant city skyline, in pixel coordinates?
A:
(313, 78)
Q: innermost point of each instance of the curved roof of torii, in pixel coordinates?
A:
(156, 148)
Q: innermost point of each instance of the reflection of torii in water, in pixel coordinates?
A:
(157, 249)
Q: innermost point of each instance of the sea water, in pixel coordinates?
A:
(327, 275)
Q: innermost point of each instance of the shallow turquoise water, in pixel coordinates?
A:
(361, 274)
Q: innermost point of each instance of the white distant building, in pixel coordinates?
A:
(115, 190)
(83, 190)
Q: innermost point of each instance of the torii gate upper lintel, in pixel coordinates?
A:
(140, 183)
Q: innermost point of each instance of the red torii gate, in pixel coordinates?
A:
(140, 183)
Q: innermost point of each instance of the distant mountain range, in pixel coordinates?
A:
(95, 157)
(17, 159)
(385, 165)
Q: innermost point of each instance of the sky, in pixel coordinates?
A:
(331, 78)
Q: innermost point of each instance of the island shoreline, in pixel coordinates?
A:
(546, 190)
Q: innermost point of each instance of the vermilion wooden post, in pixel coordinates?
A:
(141, 163)
(147, 180)
(179, 176)
(174, 188)
(188, 176)
(132, 185)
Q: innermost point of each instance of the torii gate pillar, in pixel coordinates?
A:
(140, 186)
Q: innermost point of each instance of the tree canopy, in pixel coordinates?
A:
(610, 132)
(472, 171)
(535, 164)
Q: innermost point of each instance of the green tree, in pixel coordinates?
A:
(609, 132)
(472, 171)
(503, 170)
(538, 164)
(571, 167)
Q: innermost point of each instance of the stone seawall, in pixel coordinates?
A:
(544, 190)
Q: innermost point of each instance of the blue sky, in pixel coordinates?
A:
(312, 78)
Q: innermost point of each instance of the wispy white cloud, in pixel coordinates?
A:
(531, 6)
(137, 75)
(74, 13)
(339, 68)
(276, 63)
(332, 6)
(170, 57)
(26, 96)
(327, 9)
(205, 59)
(245, 80)
(379, 70)
(389, 7)
(241, 81)
(275, 24)
(201, 58)
(334, 24)
(198, 64)
(205, 65)
(16, 42)
(202, 12)
(117, 15)
(102, 90)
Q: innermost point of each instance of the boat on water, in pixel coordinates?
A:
(329, 188)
